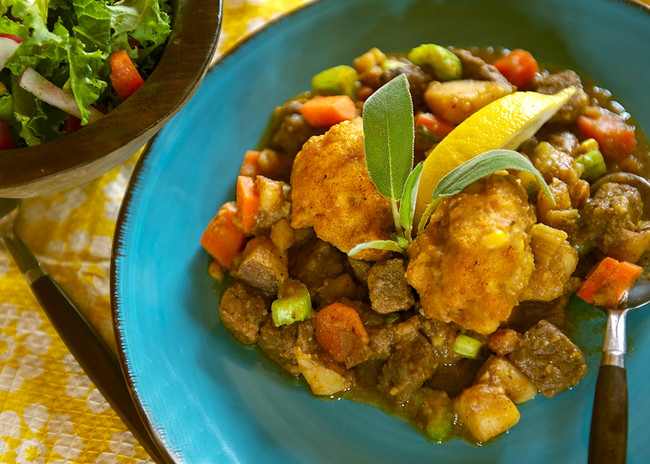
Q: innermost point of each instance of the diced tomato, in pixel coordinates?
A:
(6, 140)
(519, 67)
(223, 239)
(615, 137)
(124, 76)
(72, 124)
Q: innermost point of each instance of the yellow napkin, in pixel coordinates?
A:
(49, 410)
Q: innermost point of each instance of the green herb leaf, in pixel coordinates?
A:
(483, 165)
(389, 134)
(389, 245)
(409, 197)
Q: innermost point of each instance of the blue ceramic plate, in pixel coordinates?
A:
(212, 400)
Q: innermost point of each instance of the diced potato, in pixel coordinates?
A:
(321, 380)
(486, 411)
(500, 372)
(282, 235)
(454, 101)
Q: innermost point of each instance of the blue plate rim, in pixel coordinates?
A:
(138, 179)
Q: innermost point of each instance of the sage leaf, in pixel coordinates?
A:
(389, 133)
(389, 245)
(483, 165)
(409, 197)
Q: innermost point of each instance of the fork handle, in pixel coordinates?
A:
(608, 436)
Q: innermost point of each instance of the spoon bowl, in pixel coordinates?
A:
(609, 421)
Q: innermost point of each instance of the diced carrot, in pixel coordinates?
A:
(335, 324)
(124, 76)
(608, 283)
(327, 111)
(222, 238)
(248, 202)
(250, 166)
(6, 140)
(430, 129)
(614, 136)
(519, 67)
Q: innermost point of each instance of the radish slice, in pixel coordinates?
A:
(8, 45)
(37, 85)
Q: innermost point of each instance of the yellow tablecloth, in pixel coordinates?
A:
(49, 410)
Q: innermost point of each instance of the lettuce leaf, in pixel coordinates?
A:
(144, 21)
(69, 42)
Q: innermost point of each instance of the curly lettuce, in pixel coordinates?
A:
(70, 43)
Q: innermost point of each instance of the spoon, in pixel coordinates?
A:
(609, 420)
(85, 344)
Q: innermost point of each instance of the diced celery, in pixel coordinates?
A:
(389, 64)
(339, 80)
(467, 347)
(391, 318)
(435, 415)
(582, 248)
(446, 65)
(292, 308)
(594, 165)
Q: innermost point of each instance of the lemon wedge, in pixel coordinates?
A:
(505, 123)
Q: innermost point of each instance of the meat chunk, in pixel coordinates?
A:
(549, 358)
(384, 340)
(387, 286)
(553, 83)
(290, 129)
(562, 140)
(262, 266)
(313, 262)
(243, 311)
(410, 365)
(472, 262)
(442, 338)
(503, 341)
(416, 77)
(278, 343)
(475, 68)
(332, 192)
(553, 163)
(612, 217)
(338, 288)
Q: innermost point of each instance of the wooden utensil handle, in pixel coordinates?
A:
(86, 345)
(608, 439)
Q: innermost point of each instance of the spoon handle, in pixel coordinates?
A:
(608, 438)
(89, 349)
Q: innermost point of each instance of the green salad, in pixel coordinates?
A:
(63, 63)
